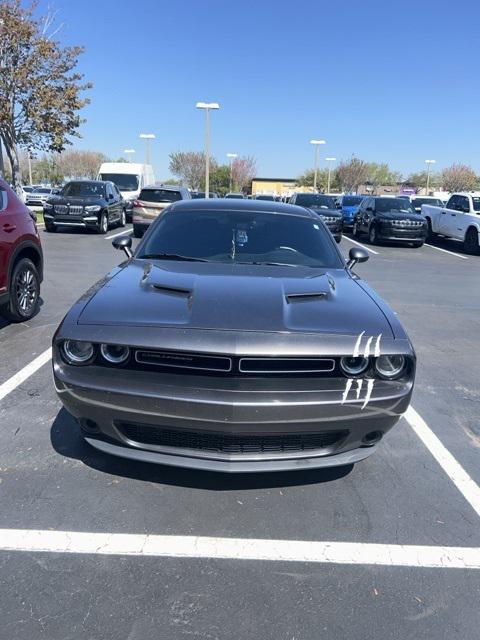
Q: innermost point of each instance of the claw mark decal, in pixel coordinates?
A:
(359, 387)
(348, 386)
(370, 382)
(356, 350)
(367, 347)
(377, 346)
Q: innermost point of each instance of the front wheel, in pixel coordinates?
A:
(123, 219)
(430, 234)
(137, 231)
(50, 228)
(372, 235)
(471, 241)
(24, 292)
(418, 244)
(103, 224)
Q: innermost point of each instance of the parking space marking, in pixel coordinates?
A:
(120, 233)
(361, 245)
(457, 255)
(25, 373)
(345, 553)
(457, 474)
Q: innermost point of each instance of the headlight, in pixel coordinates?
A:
(390, 367)
(47, 205)
(354, 366)
(78, 352)
(93, 208)
(115, 354)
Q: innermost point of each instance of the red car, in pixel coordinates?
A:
(21, 258)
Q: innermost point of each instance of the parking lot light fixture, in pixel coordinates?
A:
(429, 164)
(317, 144)
(232, 157)
(128, 153)
(206, 106)
(329, 160)
(147, 137)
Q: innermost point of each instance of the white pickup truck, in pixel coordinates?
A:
(459, 219)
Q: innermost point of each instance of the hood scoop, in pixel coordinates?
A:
(319, 288)
(304, 297)
(150, 280)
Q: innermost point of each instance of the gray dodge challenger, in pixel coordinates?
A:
(235, 338)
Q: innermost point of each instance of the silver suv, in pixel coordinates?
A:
(152, 200)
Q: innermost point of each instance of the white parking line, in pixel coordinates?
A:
(120, 233)
(457, 255)
(457, 474)
(239, 549)
(25, 373)
(360, 245)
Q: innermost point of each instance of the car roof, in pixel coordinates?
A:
(165, 187)
(222, 204)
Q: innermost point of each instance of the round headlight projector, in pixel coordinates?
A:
(115, 353)
(354, 366)
(390, 367)
(78, 352)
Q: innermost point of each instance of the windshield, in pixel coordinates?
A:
(436, 202)
(230, 236)
(124, 181)
(393, 204)
(159, 195)
(234, 195)
(351, 201)
(270, 198)
(42, 190)
(84, 189)
(315, 200)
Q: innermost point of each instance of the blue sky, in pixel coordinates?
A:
(396, 82)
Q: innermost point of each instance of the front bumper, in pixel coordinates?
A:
(395, 234)
(88, 221)
(106, 401)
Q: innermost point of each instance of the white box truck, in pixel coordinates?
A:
(129, 177)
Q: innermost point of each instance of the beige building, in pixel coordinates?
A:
(277, 186)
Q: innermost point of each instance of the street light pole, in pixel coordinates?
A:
(29, 168)
(329, 160)
(147, 137)
(317, 144)
(232, 156)
(429, 164)
(207, 106)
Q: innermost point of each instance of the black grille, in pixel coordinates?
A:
(230, 444)
(178, 360)
(286, 365)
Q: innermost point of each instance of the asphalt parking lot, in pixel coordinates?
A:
(234, 564)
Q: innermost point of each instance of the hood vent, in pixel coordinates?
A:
(303, 297)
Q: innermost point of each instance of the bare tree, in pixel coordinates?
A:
(351, 174)
(80, 164)
(243, 170)
(190, 167)
(39, 88)
(459, 177)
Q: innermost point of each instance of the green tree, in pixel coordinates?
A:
(40, 91)
(220, 179)
(307, 179)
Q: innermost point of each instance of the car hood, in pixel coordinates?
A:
(321, 211)
(400, 215)
(236, 298)
(76, 200)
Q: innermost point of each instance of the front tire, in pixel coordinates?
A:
(123, 219)
(430, 234)
(137, 231)
(471, 244)
(50, 228)
(417, 245)
(372, 235)
(103, 224)
(24, 292)
(355, 231)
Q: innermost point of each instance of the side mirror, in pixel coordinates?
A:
(356, 254)
(125, 244)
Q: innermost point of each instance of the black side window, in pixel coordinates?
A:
(452, 203)
(463, 204)
(110, 191)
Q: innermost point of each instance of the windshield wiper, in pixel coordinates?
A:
(270, 264)
(169, 256)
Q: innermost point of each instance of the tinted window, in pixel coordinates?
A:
(242, 237)
(393, 204)
(84, 189)
(350, 201)
(159, 195)
(234, 195)
(42, 190)
(476, 203)
(124, 181)
(463, 203)
(452, 203)
(436, 202)
(270, 198)
(315, 200)
(3, 199)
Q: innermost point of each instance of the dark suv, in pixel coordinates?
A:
(21, 258)
(91, 204)
(324, 206)
(392, 219)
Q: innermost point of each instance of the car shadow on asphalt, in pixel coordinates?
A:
(67, 440)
